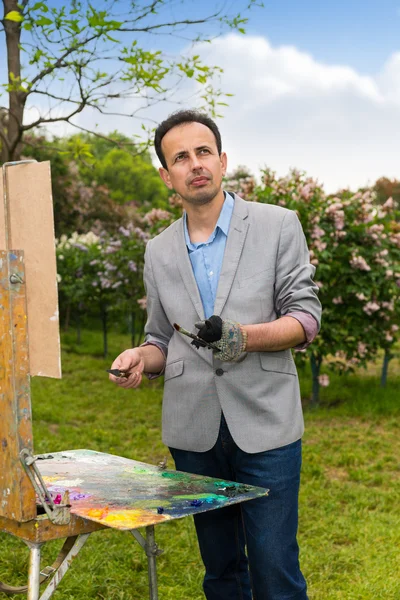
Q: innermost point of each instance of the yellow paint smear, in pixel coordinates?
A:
(123, 519)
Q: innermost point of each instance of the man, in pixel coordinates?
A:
(235, 412)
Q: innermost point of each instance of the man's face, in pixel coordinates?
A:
(195, 170)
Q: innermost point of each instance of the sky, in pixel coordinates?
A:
(316, 86)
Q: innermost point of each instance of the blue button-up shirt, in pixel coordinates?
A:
(206, 257)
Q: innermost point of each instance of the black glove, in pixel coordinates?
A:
(228, 336)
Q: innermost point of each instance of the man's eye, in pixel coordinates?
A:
(179, 157)
(204, 151)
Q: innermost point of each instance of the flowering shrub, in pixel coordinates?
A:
(354, 243)
(104, 273)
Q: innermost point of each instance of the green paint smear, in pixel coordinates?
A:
(140, 470)
(227, 484)
(151, 504)
(206, 497)
(177, 476)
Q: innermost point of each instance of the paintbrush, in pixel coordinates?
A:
(117, 372)
(198, 341)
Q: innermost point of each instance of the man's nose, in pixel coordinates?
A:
(195, 162)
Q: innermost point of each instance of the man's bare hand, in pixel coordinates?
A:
(132, 364)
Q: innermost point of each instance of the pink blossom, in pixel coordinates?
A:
(395, 239)
(317, 232)
(361, 348)
(394, 328)
(371, 307)
(358, 262)
(323, 380)
(389, 205)
(361, 296)
(132, 266)
(388, 337)
(354, 361)
(320, 246)
(381, 261)
(319, 284)
(155, 215)
(142, 303)
(338, 300)
(306, 192)
(376, 228)
(389, 273)
(124, 231)
(175, 200)
(388, 305)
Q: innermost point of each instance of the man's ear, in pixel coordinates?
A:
(224, 162)
(165, 177)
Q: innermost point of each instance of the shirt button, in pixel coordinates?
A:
(219, 372)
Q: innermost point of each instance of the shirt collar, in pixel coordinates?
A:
(223, 222)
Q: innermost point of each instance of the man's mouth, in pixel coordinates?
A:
(197, 181)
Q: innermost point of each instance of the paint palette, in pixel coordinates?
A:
(126, 494)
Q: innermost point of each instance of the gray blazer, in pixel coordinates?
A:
(265, 274)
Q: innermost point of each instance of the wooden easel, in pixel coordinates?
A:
(19, 511)
(27, 510)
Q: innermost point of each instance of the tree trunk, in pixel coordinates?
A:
(103, 309)
(385, 366)
(316, 362)
(67, 317)
(78, 327)
(11, 130)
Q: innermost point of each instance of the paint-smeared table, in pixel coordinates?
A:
(125, 494)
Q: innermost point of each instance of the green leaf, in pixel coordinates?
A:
(15, 16)
(42, 21)
(41, 6)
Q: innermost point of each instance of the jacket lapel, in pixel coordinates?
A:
(186, 271)
(233, 250)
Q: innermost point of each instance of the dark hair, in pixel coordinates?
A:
(180, 118)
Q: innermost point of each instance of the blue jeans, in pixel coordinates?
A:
(265, 527)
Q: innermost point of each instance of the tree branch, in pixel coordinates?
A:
(42, 120)
(59, 62)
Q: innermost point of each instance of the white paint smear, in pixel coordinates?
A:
(69, 482)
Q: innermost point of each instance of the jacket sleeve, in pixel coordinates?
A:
(158, 329)
(295, 290)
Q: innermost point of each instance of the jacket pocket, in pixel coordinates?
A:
(271, 362)
(173, 369)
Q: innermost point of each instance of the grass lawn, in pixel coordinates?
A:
(350, 496)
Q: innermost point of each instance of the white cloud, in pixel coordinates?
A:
(290, 110)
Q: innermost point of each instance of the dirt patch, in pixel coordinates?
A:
(335, 474)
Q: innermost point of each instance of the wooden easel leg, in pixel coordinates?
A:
(34, 571)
